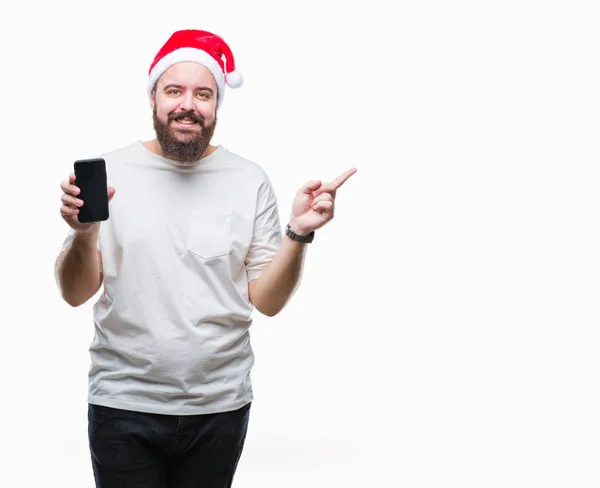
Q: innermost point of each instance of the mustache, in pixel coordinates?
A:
(187, 115)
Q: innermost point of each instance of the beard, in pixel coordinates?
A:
(189, 148)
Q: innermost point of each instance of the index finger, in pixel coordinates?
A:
(68, 186)
(340, 180)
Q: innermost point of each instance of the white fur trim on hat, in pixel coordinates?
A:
(188, 54)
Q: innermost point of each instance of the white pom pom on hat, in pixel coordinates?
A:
(202, 47)
(234, 79)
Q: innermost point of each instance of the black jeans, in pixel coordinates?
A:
(134, 449)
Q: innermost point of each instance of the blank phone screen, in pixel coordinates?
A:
(90, 177)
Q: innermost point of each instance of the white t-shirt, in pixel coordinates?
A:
(178, 251)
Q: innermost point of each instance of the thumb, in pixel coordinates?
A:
(111, 192)
(310, 186)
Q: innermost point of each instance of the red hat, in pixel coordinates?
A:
(202, 47)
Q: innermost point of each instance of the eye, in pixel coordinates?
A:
(173, 91)
(204, 95)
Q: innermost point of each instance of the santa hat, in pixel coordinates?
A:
(202, 47)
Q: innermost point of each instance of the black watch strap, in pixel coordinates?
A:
(295, 237)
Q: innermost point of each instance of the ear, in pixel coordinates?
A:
(152, 99)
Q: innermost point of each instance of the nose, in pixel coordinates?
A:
(187, 102)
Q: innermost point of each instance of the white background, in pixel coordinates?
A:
(446, 329)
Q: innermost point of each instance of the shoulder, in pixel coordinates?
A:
(243, 167)
(122, 152)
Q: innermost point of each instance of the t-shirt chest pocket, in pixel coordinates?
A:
(209, 234)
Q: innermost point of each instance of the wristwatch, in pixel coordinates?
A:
(295, 237)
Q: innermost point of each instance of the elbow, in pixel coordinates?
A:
(72, 301)
(268, 309)
(271, 313)
(77, 298)
(69, 298)
(268, 303)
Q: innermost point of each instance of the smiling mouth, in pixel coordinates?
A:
(186, 122)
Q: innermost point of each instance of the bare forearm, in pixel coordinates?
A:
(280, 279)
(78, 270)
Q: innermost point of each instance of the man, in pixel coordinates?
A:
(192, 245)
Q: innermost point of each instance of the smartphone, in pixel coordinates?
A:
(90, 178)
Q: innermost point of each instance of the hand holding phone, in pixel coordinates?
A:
(72, 202)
